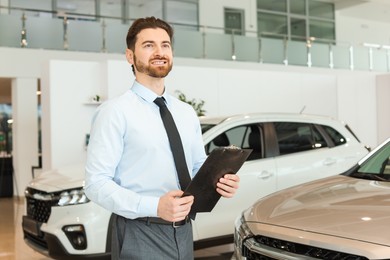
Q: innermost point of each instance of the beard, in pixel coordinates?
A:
(155, 71)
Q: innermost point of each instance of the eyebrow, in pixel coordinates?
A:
(149, 41)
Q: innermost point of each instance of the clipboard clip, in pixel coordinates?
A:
(232, 146)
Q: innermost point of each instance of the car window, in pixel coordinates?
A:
(297, 137)
(245, 137)
(337, 138)
(377, 167)
(379, 163)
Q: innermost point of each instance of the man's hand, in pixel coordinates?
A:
(228, 185)
(173, 208)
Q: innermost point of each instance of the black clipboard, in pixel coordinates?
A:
(203, 186)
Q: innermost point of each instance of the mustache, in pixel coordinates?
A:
(158, 57)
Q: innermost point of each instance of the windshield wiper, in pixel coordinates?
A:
(371, 176)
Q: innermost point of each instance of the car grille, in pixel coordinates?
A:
(39, 203)
(294, 249)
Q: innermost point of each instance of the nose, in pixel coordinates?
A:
(159, 51)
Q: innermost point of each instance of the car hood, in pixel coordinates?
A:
(338, 206)
(59, 179)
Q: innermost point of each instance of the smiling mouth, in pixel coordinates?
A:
(159, 62)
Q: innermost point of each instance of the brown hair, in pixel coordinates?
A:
(145, 23)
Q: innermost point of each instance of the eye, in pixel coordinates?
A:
(166, 45)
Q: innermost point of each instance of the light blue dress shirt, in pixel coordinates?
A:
(129, 160)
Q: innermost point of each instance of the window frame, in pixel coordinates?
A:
(307, 17)
(234, 31)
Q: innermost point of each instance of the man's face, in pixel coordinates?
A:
(152, 54)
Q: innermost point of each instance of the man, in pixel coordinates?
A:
(130, 166)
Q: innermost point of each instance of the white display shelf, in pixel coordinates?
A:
(96, 103)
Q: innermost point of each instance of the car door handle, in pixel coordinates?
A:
(264, 175)
(329, 161)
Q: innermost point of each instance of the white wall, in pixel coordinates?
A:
(383, 106)
(357, 31)
(264, 90)
(66, 110)
(70, 79)
(24, 66)
(234, 87)
(356, 95)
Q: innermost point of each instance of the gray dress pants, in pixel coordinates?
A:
(134, 239)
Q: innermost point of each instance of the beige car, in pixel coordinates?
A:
(346, 216)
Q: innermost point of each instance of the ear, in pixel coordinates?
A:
(130, 56)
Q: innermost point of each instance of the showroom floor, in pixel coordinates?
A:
(12, 246)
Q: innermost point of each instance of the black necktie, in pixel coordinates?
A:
(175, 143)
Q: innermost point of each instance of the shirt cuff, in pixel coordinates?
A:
(148, 206)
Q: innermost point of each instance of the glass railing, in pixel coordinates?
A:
(107, 34)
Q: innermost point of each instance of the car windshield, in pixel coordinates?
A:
(377, 167)
(206, 127)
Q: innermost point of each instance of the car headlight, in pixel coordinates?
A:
(241, 233)
(72, 197)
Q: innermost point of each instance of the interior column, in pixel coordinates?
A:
(24, 131)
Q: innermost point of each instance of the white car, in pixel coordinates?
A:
(344, 216)
(288, 149)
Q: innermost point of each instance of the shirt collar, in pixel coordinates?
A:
(145, 93)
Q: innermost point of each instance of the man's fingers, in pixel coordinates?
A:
(175, 193)
(228, 185)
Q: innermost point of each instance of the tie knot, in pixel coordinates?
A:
(160, 101)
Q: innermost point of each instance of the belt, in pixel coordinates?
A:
(161, 221)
